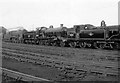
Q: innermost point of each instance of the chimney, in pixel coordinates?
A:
(103, 23)
(61, 25)
(51, 26)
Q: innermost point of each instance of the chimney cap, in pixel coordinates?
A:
(51, 26)
(61, 25)
(103, 23)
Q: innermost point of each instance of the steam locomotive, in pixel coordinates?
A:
(78, 36)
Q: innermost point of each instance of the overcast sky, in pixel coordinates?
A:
(35, 13)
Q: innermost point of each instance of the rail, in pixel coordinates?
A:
(21, 76)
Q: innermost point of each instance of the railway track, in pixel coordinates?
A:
(111, 60)
(71, 70)
(44, 49)
(65, 46)
(90, 54)
(114, 58)
(21, 76)
(82, 55)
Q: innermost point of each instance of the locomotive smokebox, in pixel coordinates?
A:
(61, 25)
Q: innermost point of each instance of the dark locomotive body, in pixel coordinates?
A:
(15, 36)
(92, 34)
(96, 37)
(46, 36)
(78, 36)
(29, 37)
(56, 35)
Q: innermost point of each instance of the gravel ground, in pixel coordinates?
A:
(89, 56)
(35, 70)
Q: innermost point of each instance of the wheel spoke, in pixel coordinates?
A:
(95, 45)
(62, 44)
(82, 45)
(102, 46)
(72, 44)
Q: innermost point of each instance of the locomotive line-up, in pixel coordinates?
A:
(78, 36)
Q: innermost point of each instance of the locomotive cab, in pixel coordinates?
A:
(71, 33)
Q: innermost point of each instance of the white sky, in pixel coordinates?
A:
(35, 13)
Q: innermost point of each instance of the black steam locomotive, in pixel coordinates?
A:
(78, 36)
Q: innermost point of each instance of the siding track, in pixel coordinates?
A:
(70, 69)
